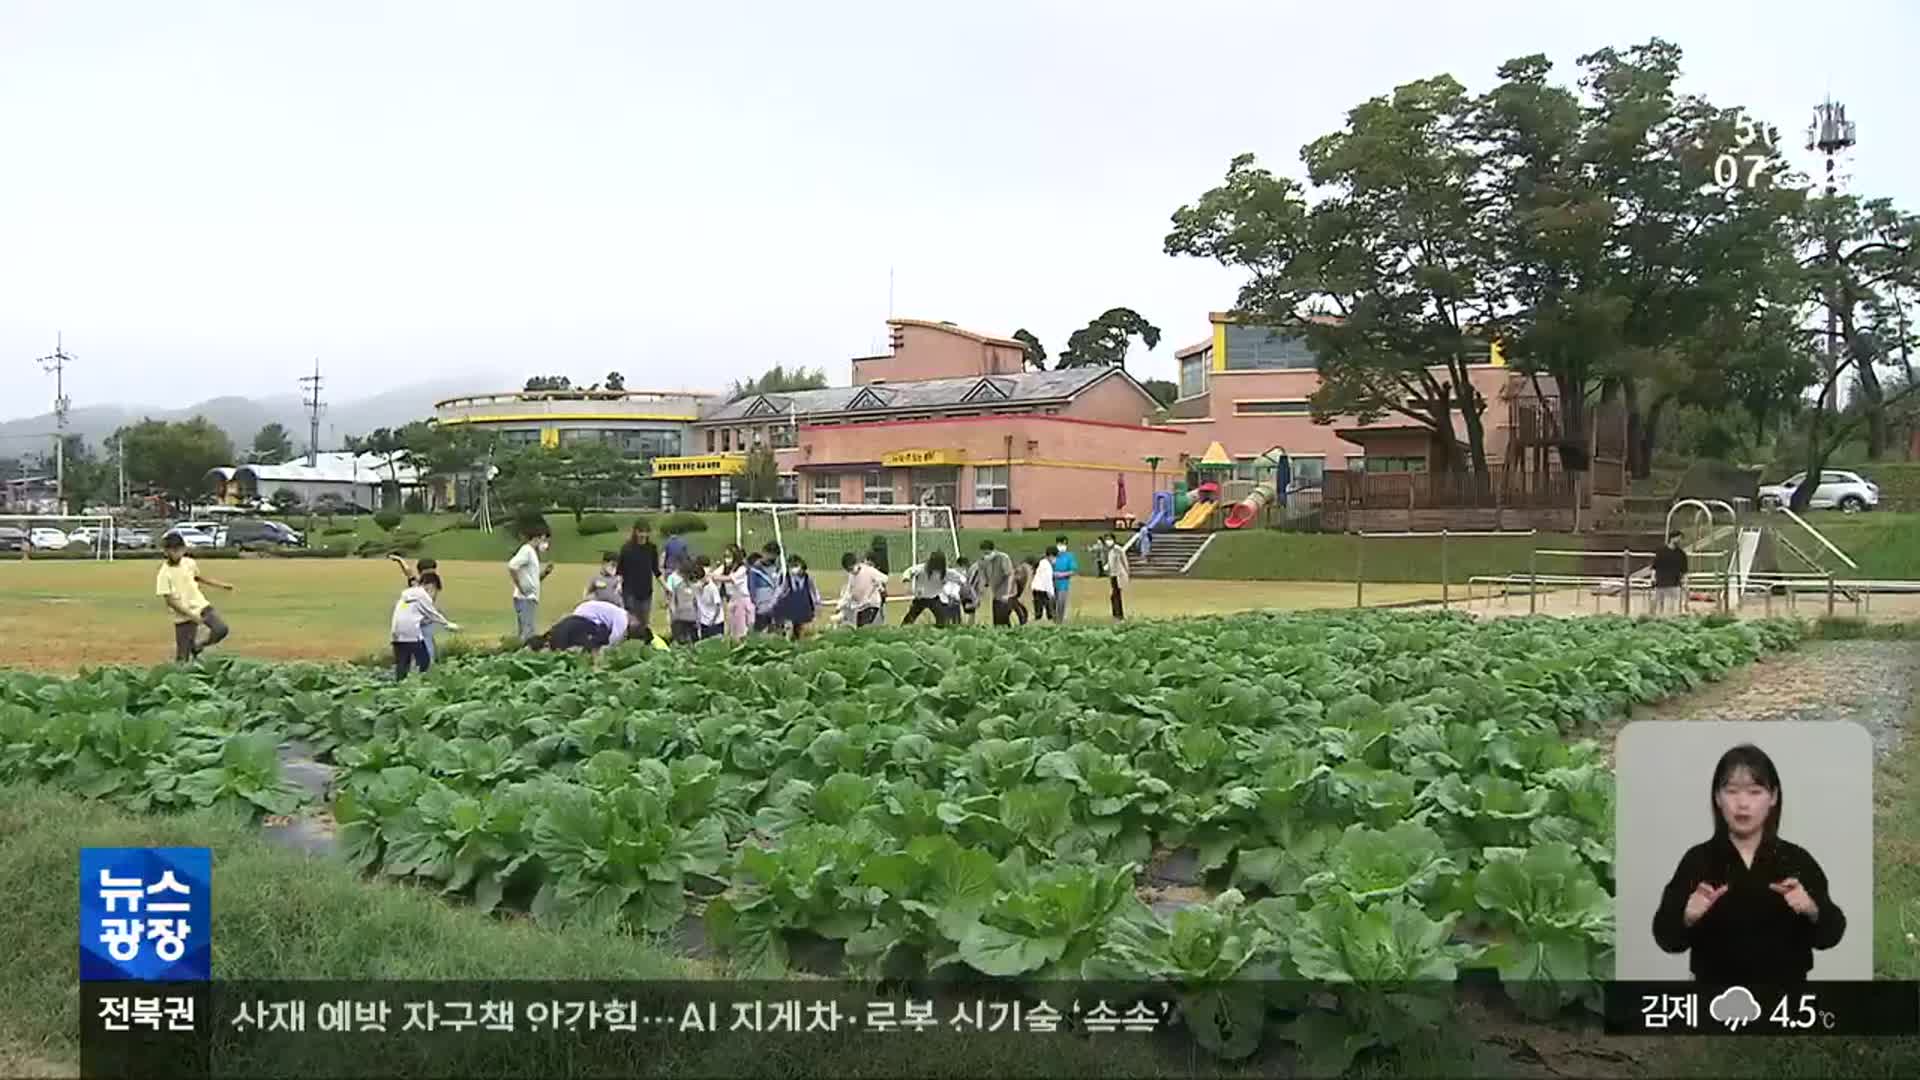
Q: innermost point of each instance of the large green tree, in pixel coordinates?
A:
(1633, 268)
(272, 445)
(174, 457)
(1104, 341)
(1385, 268)
(85, 477)
(779, 379)
(1861, 264)
(1036, 357)
(574, 478)
(1583, 228)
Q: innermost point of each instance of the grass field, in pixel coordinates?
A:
(60, 616)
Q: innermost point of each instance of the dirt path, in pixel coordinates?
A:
(1870, 683)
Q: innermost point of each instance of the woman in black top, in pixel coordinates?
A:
(1749, 906)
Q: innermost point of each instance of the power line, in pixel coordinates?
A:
(57, 364)
(311, 384)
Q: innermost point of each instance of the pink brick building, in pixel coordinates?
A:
(1247, 388)
(951, 417)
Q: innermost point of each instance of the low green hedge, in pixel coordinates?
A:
(398, 542)
(597, 524)
(681, 524)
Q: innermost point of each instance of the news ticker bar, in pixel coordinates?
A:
(719, 1027)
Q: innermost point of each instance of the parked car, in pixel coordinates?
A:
(48, 538)
(132, 538)
(12, 539)
(1839, 489)
(253, 531)
(194, 538)
(85, 534)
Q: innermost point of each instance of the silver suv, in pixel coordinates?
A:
(1846, 491)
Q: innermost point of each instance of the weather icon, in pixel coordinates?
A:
(1735, 1006)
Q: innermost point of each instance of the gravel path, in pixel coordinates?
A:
(1870, 683)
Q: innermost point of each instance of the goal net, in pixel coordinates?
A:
(896, 536)
(32, 534)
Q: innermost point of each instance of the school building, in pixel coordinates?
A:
(1248, 387)
(647, 425)
(949, 417)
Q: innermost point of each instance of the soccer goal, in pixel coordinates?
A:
(821, 532)
(93, 530)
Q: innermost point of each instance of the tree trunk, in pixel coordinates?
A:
(1571, 385)
(1818, 450)
(1873, 403)
(1465, 396)
(1642, 433)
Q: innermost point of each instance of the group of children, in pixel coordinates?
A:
(746, 592)
(750, 592)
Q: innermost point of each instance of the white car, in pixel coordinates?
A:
(194, 537)
(85, 534)
(47, 539)
(1839, 489)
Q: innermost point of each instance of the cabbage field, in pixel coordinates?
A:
(1360, 799)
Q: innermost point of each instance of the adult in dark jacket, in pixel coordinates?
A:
(1747, 906)
(639, 566)
(1669, 578)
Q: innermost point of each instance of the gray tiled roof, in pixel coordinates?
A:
(883, 398)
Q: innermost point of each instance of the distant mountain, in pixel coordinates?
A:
(241, 417)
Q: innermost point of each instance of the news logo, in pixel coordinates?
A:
(145, 914)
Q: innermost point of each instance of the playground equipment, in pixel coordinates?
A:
(1206, 499)
(1160, 518)
(1219, 464)
(1247, 510)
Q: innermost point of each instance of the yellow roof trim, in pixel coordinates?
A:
(537, 419)
(1216, 455)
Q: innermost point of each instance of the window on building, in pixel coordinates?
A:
(713, 441)
(726, 440)
(788, 489)
(1309, 471)
(1396, 464)
(1262, 347)
(826, 488)
(759, 436)
(1193, 374)
(1289, 407)
(877, 488)
(990, 487)
(1248, 469)
(784, 437)
(516, 437)
(1356, 463)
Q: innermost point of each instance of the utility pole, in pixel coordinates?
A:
(311, 385)
(1830, 133)
(57, 363)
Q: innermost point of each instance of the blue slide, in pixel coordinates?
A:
(1161, 517)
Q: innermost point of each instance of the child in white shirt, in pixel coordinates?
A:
(413, 614)
(709, 610)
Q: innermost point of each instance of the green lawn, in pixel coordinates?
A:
(60, 615)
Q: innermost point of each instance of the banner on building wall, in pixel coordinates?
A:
(909, 459)
(701, 465)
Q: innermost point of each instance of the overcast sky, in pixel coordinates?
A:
(204, 197)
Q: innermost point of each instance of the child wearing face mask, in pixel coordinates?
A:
(527, 570)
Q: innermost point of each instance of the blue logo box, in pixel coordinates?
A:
(146, 914)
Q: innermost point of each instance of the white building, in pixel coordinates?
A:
(358, 480)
